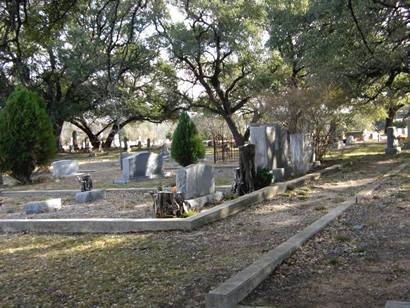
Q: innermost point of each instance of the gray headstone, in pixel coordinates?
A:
(195, 180)
(122, 156)
(392, 142)
(271, 145)
(301, 152)
(63, 168)
(37, 207)
(89, 196)
(142, 165)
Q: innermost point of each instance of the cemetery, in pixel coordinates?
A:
(218, 154)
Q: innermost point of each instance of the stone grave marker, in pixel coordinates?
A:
(63, 168)
(301, 153)
(37, 207)
(75, 141)
(142, 165)
(195, 181)
(392, 142)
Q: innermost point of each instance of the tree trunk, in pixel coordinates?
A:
(391, 114)
(168, 204)
(239, 139)
(58, 127)
(247, 169)
(95, 142)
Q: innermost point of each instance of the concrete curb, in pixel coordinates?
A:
(236, 288)
(66, 192)
(117, 225)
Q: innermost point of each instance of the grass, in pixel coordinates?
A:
(342, 238)
(189, 213)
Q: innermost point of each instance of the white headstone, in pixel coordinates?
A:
(301, 152)
(63, 168)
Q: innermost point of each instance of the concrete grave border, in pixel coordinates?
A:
(236, 288)
(128, 225)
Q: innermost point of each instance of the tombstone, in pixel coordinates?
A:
(392, 142)
(407, 144)
(126, 146)
(142, 165)
(87, 144)
(63, 168)
(75, 141)
(195, 181)
(350, 139)
(139, 145)
(38, 207)
(271, 145)
(122, 156)
(90, 196)
(301, 153)
(148, 143)
(100, 145)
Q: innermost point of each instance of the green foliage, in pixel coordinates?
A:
(26, 134)
(186, 146)
(263, 178)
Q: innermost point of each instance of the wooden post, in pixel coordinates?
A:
(247, 168)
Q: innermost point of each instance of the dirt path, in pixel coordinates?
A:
(361, 260)
(169, 269)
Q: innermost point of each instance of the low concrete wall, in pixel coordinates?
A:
(119, 225)
(236, 288)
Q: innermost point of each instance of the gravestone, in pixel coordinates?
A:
(139, 144)
(122, 156)
(392, 142)
(142, 165)
(271, 145)
(126, 146)
(63, 168)
(90, 196)
(407, 145)
(148, 143)
(37, 207)
(350, 140)
(75, 141)
(87, 144)
(195, 181)
(301, 153)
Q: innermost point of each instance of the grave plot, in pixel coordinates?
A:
(182, 267)
(360, 260)
(115, 205)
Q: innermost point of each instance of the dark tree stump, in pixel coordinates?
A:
(247, 174)
(168, 204)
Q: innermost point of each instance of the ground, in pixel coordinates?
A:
(359, 260)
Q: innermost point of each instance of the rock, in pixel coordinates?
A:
(195, 180)
(90, 196)
(37, 207)
(63, 168)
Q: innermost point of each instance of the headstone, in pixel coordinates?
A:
(407, 144)
(122, 156)
(392, 142)
(90, 196)
(63, 168)
(301, 153)
(37, 207)
(271, 145)
(142, 165)
(148, 143)
(195, 180)
(350, 140)
(75, 141)
(87, 144)
(139, 144)
(126, 146)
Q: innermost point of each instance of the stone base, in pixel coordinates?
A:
(200, 202)
(37, 207)
(278, 174)
(392, 151)
(89, 196)
(140, 178)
